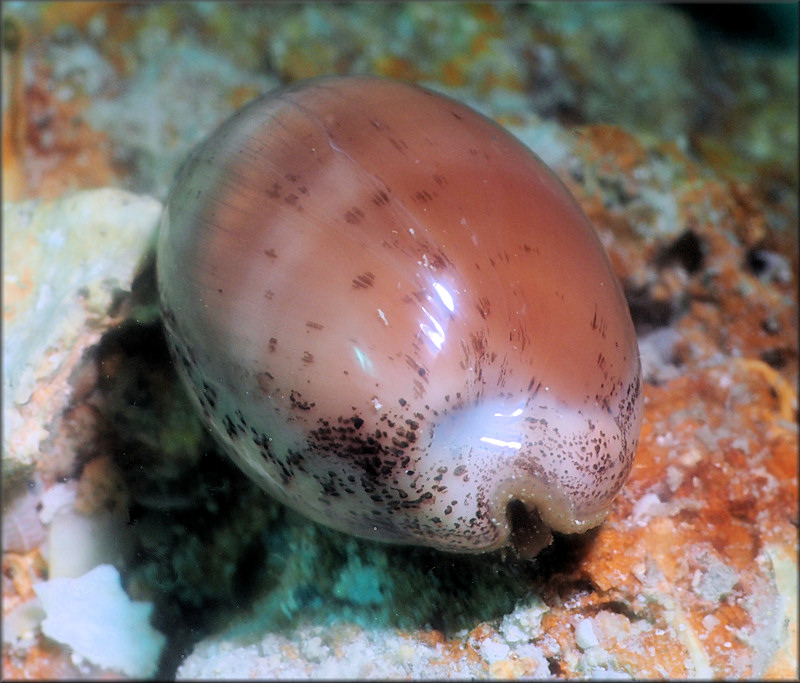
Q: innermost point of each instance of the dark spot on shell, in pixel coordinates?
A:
(210, 395)
(380, 198)
(364, 280)
(400, 145)
(353, 216)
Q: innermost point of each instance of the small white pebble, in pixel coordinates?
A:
(493, 651)
(647, 507)
(674, 478)
(585, 636)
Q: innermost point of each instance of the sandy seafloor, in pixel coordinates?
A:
(131, 548)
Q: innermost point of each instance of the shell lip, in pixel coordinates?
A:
(530, 528)
(528, 513)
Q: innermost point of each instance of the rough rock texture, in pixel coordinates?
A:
(53, 294)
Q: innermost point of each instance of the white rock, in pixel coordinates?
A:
(493, 651)
(62, 261)
(97, 619)
(648, 507)
(585, 636)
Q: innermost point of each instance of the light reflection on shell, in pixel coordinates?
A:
(398, 321)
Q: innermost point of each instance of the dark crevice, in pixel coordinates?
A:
(529, 534)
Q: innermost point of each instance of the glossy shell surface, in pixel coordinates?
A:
(397, 320)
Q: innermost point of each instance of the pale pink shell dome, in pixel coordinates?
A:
(397, 320)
